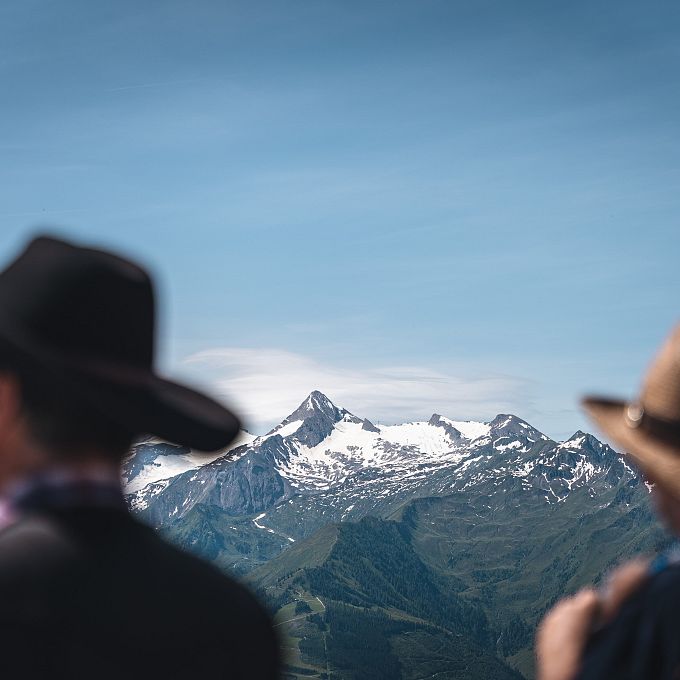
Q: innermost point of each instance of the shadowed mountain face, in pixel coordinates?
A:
(492, 521)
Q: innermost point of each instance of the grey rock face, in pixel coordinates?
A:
(246, 486)
(250, 486)
(437, 421)
(368, 426)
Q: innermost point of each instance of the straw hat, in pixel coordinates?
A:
(648, 429)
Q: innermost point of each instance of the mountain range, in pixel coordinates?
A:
(424, 549)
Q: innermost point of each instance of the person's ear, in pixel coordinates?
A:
(10, 402)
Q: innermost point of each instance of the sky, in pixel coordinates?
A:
(462, 207)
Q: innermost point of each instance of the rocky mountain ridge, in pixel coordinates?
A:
(323, 464)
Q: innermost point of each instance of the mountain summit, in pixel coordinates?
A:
(324, 463)
(313, 420)
(317, 403)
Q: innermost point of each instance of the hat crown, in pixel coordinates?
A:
(81, 302)
(660, 395)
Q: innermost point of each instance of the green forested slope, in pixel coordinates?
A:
(445, 586)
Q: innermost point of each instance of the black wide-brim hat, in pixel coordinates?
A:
(85, 319)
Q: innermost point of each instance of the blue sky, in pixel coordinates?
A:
(461, 207)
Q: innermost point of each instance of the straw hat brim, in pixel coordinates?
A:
(657, 458)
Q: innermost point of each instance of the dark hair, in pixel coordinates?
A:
(58, 414)
(67, 424)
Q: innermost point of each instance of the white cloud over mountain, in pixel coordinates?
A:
(265, 385)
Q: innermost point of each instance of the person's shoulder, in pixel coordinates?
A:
(35, 541)
(663, 591)
(641, 638)
(203, 581)
(227, 609)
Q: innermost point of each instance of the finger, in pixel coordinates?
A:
(587, 597)
(577, 612)
(584, 599)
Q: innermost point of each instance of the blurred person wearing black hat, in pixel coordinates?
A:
(629, 629)
(86, 591)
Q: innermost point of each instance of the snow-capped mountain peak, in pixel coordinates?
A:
(324, 452)
(315, 405)
(576, 441)
(314, 420)
(466, 429)
(507, 431)
(152, 461)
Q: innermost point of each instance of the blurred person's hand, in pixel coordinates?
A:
(620, 585)
(563, 633)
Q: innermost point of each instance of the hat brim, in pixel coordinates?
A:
(170, 410)
(134, 397)
(658, 459)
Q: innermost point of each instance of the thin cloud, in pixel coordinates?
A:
(265, 385)
(44, 212)
(166, 83)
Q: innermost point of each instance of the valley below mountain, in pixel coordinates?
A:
(420, 550)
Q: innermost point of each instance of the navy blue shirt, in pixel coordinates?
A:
(643, 641)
